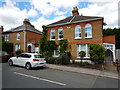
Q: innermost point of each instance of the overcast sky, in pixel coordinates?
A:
(44, 12)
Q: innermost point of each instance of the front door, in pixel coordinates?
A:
(29, 48)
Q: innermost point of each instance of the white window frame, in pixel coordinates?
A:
(79, 46)
(54, 53)
(80, 32)
(18, 36)
(51, 31)
(17, 46)
(59, 30)
(6, 37)
(88, 31)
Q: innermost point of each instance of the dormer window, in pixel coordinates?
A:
(18, 36)
(88, 31)
(52, 34)
(78, 32)
(60, 33)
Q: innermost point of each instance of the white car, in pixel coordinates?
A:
(28, 60)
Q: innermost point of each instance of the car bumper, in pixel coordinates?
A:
(38, 64)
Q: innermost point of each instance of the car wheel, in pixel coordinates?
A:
(10, 63)
(28, 66)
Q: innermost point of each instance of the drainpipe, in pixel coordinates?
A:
(25, 38)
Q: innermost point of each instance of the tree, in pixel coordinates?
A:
(6, 46)
(82, 55)
(43, 40)
(97, 53)
(46, 47)
(63, 46)
(51, 46)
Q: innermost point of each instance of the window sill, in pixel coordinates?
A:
(56, 56)
(88, 37)
(79, 38)
(52, 39)
(84, 57)
(60, 39)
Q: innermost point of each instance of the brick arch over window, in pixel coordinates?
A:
(88, 31)
(78, 32)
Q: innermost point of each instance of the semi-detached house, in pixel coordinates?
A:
(80, 31)
(24, 37)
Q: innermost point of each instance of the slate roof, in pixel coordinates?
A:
(22, 28)
(74, 19)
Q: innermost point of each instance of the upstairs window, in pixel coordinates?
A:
(7, 37)
(52, 34)
(60, 33)
(88, 31)
(78, 32)
(18, 36)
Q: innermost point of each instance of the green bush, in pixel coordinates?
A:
(7, 46)
(62, 60)
(19, 51)
(82, 63)
(65, 59)
(97, 53)
(73, 61)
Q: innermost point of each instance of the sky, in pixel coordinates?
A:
(44, 12)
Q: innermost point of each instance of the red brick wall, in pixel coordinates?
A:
(31, 36)
(69, 33)
(109, 39)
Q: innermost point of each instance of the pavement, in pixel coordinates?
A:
(87, 71)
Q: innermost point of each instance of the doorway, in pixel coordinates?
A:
(29, 49)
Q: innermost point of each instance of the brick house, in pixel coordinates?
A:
(80, 31)
(1, 31)
(24, 37)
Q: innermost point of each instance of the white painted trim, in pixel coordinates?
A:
(84, 57)
(88, 37)
(78, 38)
(114, 54)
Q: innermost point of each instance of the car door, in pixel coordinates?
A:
(16, 59)
(19, 59)
(24, 59)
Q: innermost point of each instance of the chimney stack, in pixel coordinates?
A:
(26, 21)
(1, 29)
(75, 11)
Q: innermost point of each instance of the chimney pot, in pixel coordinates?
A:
(75, 11)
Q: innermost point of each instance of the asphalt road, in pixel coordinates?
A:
(18, 77)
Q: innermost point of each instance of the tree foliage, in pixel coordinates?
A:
(6, 46)
(63, 46)
(46, 47)
(43, 40)
(116, 32)
(97, 53)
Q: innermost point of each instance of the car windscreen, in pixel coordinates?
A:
(3, 53)
(38, 56)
